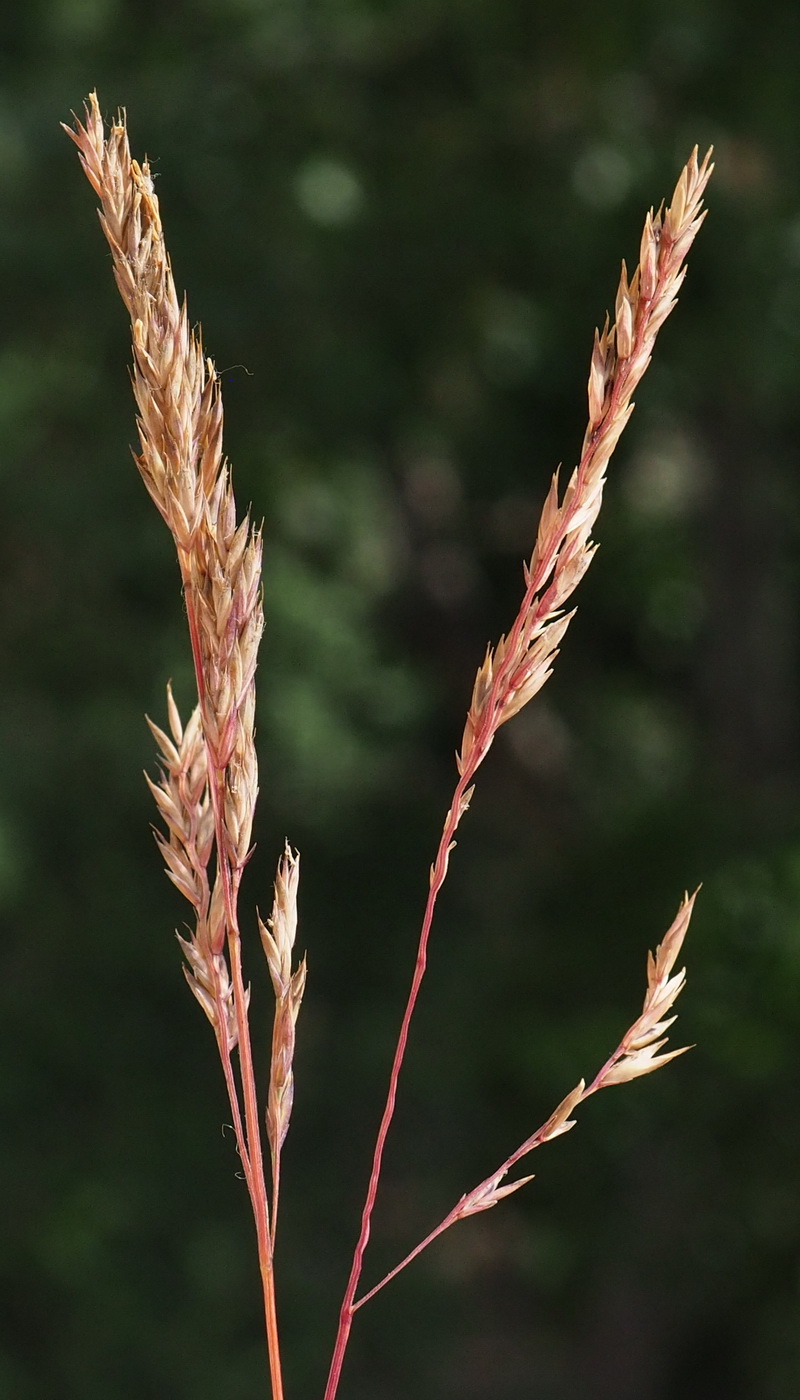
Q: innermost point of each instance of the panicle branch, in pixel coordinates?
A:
(636, 1054)
(208, 781)
(518, 666)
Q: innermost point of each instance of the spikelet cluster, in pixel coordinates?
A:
(278, 937)
(514, 670)
(639, 1049)
(518, 666)
(183, 801)
(209, 779)
(181, 463)
(636, 1054)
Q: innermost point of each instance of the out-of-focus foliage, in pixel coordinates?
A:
(399, 223)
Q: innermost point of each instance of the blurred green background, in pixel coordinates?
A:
(399, 223)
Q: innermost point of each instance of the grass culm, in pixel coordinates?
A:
(207, 786)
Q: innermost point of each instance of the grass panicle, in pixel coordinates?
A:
(208, 782)
(519, 665)
(636, 1054)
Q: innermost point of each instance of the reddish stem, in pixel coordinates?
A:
(482, 742)
(438, 875)
(530, 613)
(253, 1158)
(258, 1189)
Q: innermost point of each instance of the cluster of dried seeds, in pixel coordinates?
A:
(209, 780)
(208, 785)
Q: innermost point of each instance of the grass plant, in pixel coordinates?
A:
(208, 782)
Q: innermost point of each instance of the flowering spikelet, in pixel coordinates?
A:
(278, 937)
(638, 1051)
(182, 798)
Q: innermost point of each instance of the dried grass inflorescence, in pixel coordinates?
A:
(520, 664)
(636, 1054)
(181, 463)
(184, 802)
(513, 672)
(208, 784)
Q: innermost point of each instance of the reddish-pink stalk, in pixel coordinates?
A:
(528, 613)
(258, 1191)
(532, 612)
(455, 1214)
(347, 1310)
(233, 1095)
(276, 1190)
(640, 1051)
(250, 1149)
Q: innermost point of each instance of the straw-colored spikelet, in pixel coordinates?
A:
(638, 1051)
(183, 801)
(278, 937)
(181, 463)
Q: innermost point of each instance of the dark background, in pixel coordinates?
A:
(399, 224)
